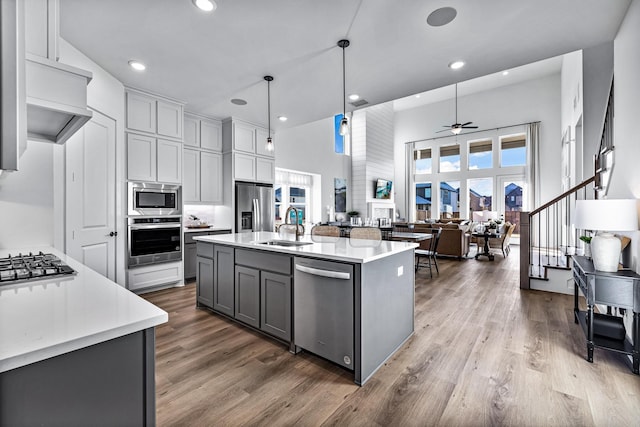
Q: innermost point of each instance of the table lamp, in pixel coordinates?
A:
(603, 216)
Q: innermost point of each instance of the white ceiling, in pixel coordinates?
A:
(206, 60)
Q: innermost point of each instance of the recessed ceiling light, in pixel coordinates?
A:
(456, 65)
(206, 5)
(504, 73)
(137, 65)
(442, 16)
(282, 118)
(354, 97)
(238, 101)
(418, 96)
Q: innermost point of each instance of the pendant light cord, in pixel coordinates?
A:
(269, 107)
(344, 86)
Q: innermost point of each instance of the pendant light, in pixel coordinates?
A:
(269, 145)
(344, 123)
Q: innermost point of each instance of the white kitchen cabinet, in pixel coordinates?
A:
(202, 177)
(151, 114)
(141, 158)
(149, 276)
(244, 137)
(141, 112)
(265, 170)
(201, 132)
(244, 167)
(42, 28)
(169, 161)
(191, 131)
(210, 135)
(153, 160)
(191, 175)
(170, 118)
(210, 177)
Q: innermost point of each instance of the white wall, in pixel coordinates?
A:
(625, 177)
(310, 148)
(534, 100)
(26, 200)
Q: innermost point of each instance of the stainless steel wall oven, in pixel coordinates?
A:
(153, 240)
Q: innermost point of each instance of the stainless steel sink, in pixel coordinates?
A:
(277, 242)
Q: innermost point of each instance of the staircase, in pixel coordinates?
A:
(547, 238)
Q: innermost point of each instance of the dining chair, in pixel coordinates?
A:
(430, 254)
(370, 233)
(325, 230)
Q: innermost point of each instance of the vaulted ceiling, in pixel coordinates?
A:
(206, 60)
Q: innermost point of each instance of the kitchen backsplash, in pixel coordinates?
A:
(217, 216)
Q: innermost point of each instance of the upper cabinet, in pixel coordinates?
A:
(154, 138)
(202, 132)
(245, 150)
(42, 28)
(147, 113)
(245, 137)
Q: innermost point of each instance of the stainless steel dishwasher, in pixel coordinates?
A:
(323, 309)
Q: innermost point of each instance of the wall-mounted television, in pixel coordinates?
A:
(383, 189)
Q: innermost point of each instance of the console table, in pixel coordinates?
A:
(620, 289)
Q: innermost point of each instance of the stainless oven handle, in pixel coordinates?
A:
(153, 226)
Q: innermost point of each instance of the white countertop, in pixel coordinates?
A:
(45, 318)
(210, 228)
(336, 248)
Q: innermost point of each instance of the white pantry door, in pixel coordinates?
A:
(90, 195)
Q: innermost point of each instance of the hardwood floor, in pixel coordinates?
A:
(483, 353)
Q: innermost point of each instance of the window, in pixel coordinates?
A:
(480, 194)
(293, 189)
(450, 199)
(513, 202)
(480, 155)
(297, 200)
(423, 201)
(422, 159)
(450, 158)
(338, 139)
(278, 197)
(513, 151)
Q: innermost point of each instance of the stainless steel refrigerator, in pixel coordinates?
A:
(254, 207)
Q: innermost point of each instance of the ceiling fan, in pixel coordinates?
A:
(456, 128)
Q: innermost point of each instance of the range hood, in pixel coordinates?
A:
(56, 99)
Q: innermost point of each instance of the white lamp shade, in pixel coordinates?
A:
(606, 215)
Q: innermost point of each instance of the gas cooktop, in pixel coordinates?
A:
(24, 267)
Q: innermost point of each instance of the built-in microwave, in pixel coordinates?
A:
(154, 199)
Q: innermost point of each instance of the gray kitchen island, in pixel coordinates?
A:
(350, 301)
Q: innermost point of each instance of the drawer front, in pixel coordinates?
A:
(264, 261)
(205, 249)
(614, 291)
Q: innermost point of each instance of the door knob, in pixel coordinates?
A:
(113, 233)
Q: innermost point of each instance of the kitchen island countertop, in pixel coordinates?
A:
(41, 319)
(334, 248)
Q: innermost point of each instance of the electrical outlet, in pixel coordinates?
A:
(400, 270)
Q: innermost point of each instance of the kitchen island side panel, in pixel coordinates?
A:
(384, 310)
(106, 384)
